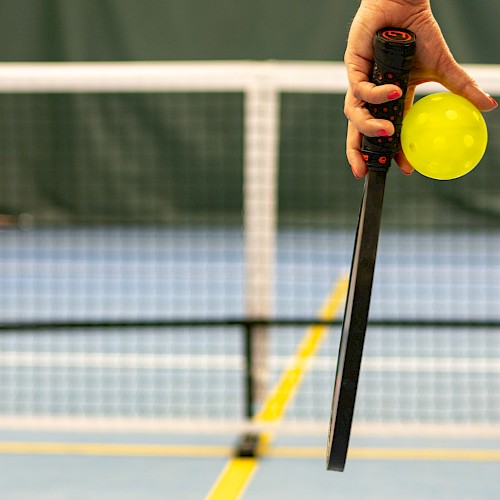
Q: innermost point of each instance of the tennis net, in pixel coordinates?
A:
(171, 230)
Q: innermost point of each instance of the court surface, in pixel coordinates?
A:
(418, 377)
(114, 465)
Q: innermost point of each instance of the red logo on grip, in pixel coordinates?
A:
(396, 35)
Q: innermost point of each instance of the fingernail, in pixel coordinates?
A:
(407, 173)
(355, 174)
(395, 94)
(493, 100)
(382, 133)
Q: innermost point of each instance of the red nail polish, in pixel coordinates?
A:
(382, 133)
(494, 102)
(355, 174)
(395, 94)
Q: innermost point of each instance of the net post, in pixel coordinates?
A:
(248, 327)
(260, 164)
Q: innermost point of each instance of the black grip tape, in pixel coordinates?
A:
(394, 49)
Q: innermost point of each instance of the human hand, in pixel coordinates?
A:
(433, 62)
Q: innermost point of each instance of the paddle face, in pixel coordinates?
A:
(394, 50)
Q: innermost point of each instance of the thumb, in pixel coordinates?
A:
(458, 81)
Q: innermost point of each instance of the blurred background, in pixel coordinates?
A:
(128, 30)
(176, 211)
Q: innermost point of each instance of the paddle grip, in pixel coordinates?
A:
(394, 49)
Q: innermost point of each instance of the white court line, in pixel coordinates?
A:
(237, 362)
(140, 425)
(455, 365)
(116, 360)
(423, 364)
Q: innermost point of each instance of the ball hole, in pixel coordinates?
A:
(469, 141)
(413, 147)
(451, 114)
(422, 118)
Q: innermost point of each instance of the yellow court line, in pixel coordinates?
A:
(438, 454)
(241, 473)
(230, 484)
(233, 479)
(425, 454)
(102, 449)
(277, 402)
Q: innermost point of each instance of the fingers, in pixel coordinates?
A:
(360, 121)
(356, 112)
(356, 160)
(403, 164)
(375, 94)
(400, 157)
(358, 60)
(458, 81)
(353, 152)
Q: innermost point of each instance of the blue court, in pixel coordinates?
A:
(418, 379)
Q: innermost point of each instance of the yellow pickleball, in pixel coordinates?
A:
(444, 136)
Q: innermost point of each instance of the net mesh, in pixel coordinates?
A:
(138, 196)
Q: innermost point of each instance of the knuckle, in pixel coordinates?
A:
(348, 104)
(347, 110)
(357, 91)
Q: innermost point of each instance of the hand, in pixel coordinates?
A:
(433, 62)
